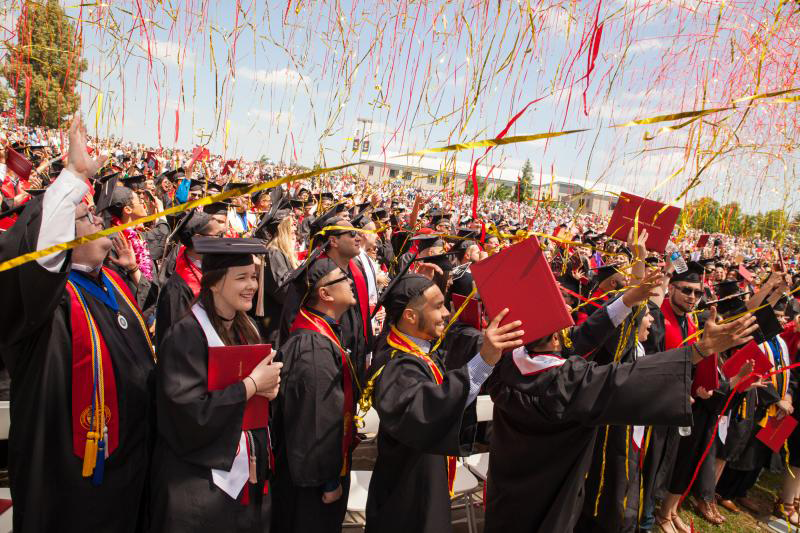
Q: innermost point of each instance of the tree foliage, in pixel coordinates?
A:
(708, 215)
(43, 67)
(523, 191)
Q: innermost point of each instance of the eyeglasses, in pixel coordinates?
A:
(91, 217)
(351, 233)
(688, 291)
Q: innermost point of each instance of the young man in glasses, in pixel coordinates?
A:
(314, 427)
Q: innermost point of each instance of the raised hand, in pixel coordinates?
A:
(498, 339)
(720, 337)
(646, 288)
(79, 161)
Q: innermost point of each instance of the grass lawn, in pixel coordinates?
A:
(765, 491)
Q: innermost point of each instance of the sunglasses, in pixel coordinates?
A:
(688, 291)
(351, 233)
(334, 282)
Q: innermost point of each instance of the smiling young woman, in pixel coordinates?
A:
(209, 474)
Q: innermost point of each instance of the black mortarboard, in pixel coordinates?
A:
(401, 291)
(694, 273)
(769, 326)
(197, 185)
(462, 280)
(225, 253)
(236, 185)
(190, 224)
(362, 218)
(103, 192)
(443, 261)
(726, 288)
(174, 175)
(217, 208)
(380, 214)
(437, 215)
(426, 241)
(308, 274)
(325, 195)
(297, 203)
(604, 272)
(570, 283)
(134, 183)
(652, 261)
(279, 210)
(469, 233)
(328, 218)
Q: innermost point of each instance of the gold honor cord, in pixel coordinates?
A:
(239, 191)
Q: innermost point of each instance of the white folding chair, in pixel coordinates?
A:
(484, 407)
(464, 485)
(5, 419)
(357, 501)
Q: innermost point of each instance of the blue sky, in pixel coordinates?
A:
(434, 74)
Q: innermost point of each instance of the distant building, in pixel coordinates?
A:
(427, 173)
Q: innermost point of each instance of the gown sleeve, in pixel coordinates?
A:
(653, 390)
(203, 427)
(592, 333)
(311, 401)
(416, 411)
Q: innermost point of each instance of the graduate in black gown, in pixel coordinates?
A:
(421, 408)
(183, 286)
(209, 474)
(547, 410)
(61, 479)
(314, 416)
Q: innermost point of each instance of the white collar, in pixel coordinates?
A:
(425, 346)
(85, 269)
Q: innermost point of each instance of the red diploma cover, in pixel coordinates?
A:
(702, 241)
(229, 364)
(775, 433)
(472, 313)
(659, 226)
(706, 375)
(520, 279)
(746, 274)
(734, 363)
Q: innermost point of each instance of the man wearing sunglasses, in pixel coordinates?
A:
(685, 291)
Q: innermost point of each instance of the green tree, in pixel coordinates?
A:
(481, 186)
(501, 192)
(44, 65)
(524, 188)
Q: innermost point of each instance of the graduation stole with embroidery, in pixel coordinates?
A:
(400, 342)
(312, 322)
(95, 414)
(773, 351)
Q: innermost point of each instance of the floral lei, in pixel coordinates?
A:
(140, 250)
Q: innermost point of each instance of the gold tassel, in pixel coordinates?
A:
(627, 473)
(260, 294)
(90, 453)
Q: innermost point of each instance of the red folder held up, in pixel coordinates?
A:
(702, 241)
(706, 374)
(520, 279)
(472, 313)
(775, 433)
(658, 225)
(229, 364)
(761, 366)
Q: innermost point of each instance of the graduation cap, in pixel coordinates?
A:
(769, 326)
(258, 195)
(443, 261)
(427, 240)
(693, 274)
(134, 183)
(190, 224)
(604, 272)
(569, 283)
(400, 292)
(380, 214)
(438, 216)
(217, 208)
(469, 233)
(18, 163)
(104, 193)
(197, 185)
(297, 203)
(325, 195)
(652, 261)
(362, 218)
(225, 253)
(236, 185)
(724, 289)
(328, 218)
(305, 277)
(279, 209)
(174, 175)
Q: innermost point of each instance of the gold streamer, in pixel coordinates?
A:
(492, 142)
(239, 191)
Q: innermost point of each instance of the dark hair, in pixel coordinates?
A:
(242, 331)
(116, 210)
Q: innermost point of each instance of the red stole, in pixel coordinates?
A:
(599, 296)
(398, 341)
(363, 295)
(89, 349)
(188, 272)
(312, 322)
(673, 335)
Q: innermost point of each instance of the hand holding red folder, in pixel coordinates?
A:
(657, 218)
(750, 352)
(230, 364)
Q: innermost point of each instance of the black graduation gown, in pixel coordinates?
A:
(199, 430)
(47, 487)
(420, 424)
(545, 425)
(308, 430)
(174, 302)
(461, 343)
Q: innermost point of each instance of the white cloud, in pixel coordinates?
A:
(284, 76)
(169, 52)
(647, 45)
